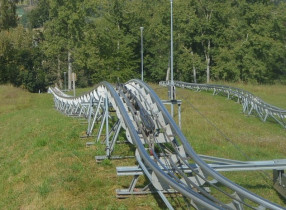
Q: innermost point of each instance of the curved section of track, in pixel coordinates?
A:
(162, 151)
(251, 103)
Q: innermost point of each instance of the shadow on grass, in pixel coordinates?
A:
(259, 187)
(283, 199)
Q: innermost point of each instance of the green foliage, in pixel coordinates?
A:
(239, 41)
(255, 52)
(21, 60)
(233, 40)
(8, 17)
(39, 15)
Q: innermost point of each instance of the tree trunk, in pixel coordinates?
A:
(208, 16)
(168, 69)
(59, 79)
(207, 54)
(168, 73)
(118, 48)
(194, 69)
(69, 71)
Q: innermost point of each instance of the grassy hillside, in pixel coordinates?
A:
(45, 165)
(272, 94)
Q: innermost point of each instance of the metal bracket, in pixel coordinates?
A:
(173, 102)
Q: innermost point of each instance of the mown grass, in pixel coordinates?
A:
(45, 165)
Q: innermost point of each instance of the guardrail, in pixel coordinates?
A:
(251, 104)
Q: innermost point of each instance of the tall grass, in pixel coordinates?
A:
(13, 99)
(272, 94)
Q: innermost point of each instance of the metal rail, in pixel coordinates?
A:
(162, 151)
(251, 104)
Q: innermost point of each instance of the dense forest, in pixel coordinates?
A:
(235, 40)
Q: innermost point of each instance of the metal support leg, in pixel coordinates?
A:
(81, 110)
(101, 127)
(179, 115)
(279, 180)
(115, 136)
(250, 110)
(214, 92)
(133, 183)
(106, 129)
(266, 115)
(161, 194)
(95, 117)
(89, 114)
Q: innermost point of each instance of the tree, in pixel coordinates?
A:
(239, 40)
(40, 14)
(21, 60)
(8, 17)
(62, 33)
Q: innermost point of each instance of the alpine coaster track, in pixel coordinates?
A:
(163, 153)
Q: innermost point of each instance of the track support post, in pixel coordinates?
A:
(279, 180)
(107, 128)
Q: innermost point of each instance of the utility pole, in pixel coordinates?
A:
(172, 95)
(73, 80)
(172, 64)
(69, 71)
(142, 73)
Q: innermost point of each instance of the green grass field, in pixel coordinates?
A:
(45, 165)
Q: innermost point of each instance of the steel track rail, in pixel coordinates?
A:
(250, 102)
(122, 114)
(206, 169)
(79, 105)
(60, 93)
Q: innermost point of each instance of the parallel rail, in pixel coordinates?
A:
(162, 151)
(251, 104)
